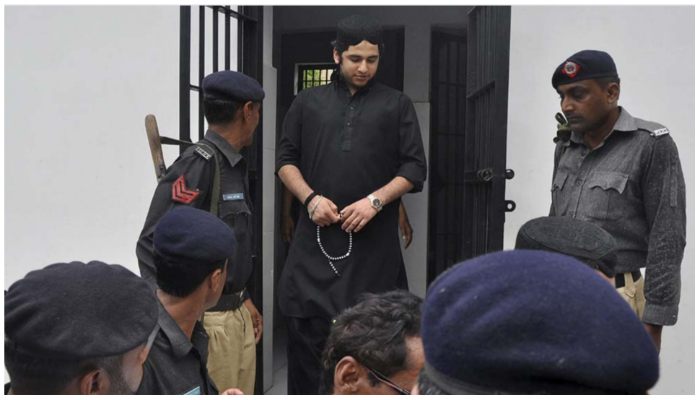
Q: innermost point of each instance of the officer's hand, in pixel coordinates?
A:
(405, 227)
(357, 215)
(257, 319)
(287, 228)
(232, 392)
(326, 213)
(655, 332)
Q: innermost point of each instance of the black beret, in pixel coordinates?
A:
(78, 311)
(192, 234)
(232, 86)
(533, 322)
(354, 29)
(583, 240)
(586, 64)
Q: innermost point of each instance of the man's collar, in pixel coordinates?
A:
(224, 147)
(340, 81)
(625, 123)
(178, 340)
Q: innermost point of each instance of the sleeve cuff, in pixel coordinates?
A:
(413, 174)
(655, 314)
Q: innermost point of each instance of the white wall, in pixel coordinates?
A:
(78, 83)
(653, 48)
(268, 178)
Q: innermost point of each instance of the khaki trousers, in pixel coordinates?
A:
(633, 293)
(231, 362)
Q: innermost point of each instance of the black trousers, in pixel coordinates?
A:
(306, 339)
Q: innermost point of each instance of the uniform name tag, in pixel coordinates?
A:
(195, 391)
(233, 196)
(660, 132)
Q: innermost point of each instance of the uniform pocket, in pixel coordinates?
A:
(603, 195)
(557, 186)
(238, 215)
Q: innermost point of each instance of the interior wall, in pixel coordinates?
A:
(417, 21)
(657, 72)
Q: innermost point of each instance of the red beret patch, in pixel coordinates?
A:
(570, 69)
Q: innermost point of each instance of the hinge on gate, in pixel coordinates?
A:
(485, 175)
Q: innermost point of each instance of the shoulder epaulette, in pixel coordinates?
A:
(203, 151)
(655, 130)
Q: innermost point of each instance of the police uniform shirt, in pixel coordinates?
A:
(175, 364)
(188, 182)
(632, 186)
(346, 147)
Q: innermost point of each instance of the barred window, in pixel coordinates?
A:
(310, 75)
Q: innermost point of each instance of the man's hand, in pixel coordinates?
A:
(655, 332)
(232, 392)
(326, 213)
(357, 215)
(405, 226)
(287, 228)
(257, 320)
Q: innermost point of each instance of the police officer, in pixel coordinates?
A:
(213, 176)
(623, 174)
(191, 251)
(531, 322)
(582, 240)
(78, 329)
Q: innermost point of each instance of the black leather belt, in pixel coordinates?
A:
(229, 302)
(620, 278)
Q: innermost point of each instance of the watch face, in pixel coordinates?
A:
(376, 202)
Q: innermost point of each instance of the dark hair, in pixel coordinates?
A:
(340, 48)
(34, 375)
(373, 332)
(218, 111)
(180, 277)
(603, 82)
(427, 387)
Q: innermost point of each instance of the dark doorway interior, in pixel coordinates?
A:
(448, 98)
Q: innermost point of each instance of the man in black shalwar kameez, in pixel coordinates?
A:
(348, 151)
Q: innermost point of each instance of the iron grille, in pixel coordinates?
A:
(310, 75)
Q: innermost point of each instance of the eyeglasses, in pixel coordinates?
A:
(383, 379)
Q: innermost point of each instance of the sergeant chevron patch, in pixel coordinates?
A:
(180, 192)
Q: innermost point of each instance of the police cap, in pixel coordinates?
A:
(583, 240)
(586, 64)
(78, 311)
(232, 86)
(192, 234)
(533, 322)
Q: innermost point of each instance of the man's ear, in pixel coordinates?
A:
(336, 56)
(248, 110)
(612, 92)
(217, 278)
(94, 382)
(347, 376)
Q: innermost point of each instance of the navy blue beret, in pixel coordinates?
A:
(232, 86)
(583, 240)
(192, 234)
(586, 64)
(533, 322)
(78, 311)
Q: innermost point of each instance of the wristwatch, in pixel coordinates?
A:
(376, 202)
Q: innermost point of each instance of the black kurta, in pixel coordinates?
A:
(347, 147)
